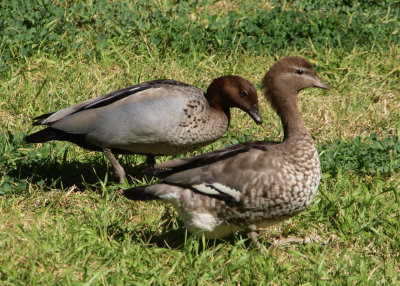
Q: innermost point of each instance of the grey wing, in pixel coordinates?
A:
(150, 120)
(50, 118)
(131, 119)
(228, 179)
(170, 167)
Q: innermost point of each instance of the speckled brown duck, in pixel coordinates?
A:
(253, 184)
(161, 117)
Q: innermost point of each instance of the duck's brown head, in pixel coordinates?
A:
(234, 91)
(287, 77)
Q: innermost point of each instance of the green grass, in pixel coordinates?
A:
(63, 222)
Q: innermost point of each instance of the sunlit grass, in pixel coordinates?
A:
(63, 222)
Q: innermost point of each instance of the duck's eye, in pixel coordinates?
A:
(244, 93)
(300, 71)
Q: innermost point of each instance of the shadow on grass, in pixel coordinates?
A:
(181, 240)
(173, 237)
(52, 173)
(50, 165)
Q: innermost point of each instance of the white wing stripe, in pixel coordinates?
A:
(206, 189)
(216, 189)
(228, 191)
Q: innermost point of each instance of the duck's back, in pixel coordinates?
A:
(162, 120)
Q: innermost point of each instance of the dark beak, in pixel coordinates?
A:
(255, 114)
(320, 84)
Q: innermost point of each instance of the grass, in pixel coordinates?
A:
(63, 222)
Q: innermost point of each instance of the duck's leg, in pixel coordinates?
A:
(119, 172)
(150, 161)
(253, 236)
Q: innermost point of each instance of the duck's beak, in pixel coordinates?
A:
(255, 114)
(320, 84)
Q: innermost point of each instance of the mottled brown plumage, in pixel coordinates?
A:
(162, 117)
(253, 184)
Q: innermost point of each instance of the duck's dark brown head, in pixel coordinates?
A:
(234, 91)
(287, 77)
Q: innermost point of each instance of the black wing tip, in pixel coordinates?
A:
(38, 122)
(39, 119)
(139, 194)
(44, 135)
(29, 138)
(159, 173)
(37, 137)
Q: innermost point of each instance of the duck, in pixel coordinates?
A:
(158, 117)
(250, 185)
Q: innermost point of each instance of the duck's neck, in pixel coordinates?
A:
(217, 105)
(293, 125)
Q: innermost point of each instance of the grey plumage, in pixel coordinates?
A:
(163, 117)
(248, 185)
